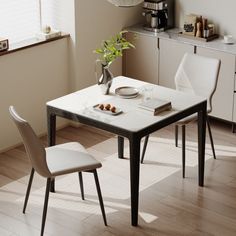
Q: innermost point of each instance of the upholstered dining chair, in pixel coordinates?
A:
(54, 161)
(197, 75)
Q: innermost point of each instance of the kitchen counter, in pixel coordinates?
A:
(172, 34)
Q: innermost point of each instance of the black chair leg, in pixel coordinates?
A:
(183, 150)
(176, 135)
(28, 189)
(45, 208)
(121, 147)
(81, 184)
(100, 196)
(52, 185)
(144, 148)
(211, 139)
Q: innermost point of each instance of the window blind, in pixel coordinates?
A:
(51, 13)
(19, 19)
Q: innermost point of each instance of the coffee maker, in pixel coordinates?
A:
(159, 15)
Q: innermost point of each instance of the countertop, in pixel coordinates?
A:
(173, 34)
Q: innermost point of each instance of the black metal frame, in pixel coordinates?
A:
(45, 208)
(183, 149)
(176, 135)
(233, 127)
(47, 191)
(100, 196)
(28, 189)
(81, 184)
(98, 191)
(134, 142)
(144, 147)
(183, 143)
(211, 138)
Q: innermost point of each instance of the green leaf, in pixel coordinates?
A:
(113, 48)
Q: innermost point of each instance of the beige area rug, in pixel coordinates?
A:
(69, 215)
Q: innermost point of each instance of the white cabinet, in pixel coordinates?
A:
(156, 60)
(171, 53)
(223, 98)
(142, 62)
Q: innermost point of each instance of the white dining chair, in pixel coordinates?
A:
(196, 75)
(54, 161)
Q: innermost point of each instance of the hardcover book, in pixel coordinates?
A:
(155, 106)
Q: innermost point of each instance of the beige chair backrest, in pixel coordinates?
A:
(34, 148)
(198, 75)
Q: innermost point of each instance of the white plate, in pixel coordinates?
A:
(127, 92)
(108, 112)
(128, 97)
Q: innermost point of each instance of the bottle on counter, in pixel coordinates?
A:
(199, 27)
(199, 30)
(205, 28)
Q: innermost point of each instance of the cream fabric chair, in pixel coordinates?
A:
(196, 75)
(54, 161)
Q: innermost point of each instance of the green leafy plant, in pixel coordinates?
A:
(113, 48)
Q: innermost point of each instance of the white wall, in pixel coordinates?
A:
(221, 12)
(30, 78)
(97, 20)
(64, 20)
(89, 22)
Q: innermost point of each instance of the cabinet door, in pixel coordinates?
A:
(171, 54)
(223, 97)
(142, 62)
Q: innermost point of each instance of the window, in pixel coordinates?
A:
(51, 13)
(20, 19)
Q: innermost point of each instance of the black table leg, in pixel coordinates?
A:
(202, 115)
(51, 121)
(120, 147)
(233, 127)
(134, 177)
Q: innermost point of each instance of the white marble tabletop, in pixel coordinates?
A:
(133, 118)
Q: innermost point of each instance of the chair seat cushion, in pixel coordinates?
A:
(69, 157)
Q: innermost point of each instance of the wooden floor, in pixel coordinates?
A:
(169, 205)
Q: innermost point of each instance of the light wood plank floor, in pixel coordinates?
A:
(169, 205)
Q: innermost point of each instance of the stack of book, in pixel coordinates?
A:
(155, 106)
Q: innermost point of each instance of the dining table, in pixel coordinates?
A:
(132, 122)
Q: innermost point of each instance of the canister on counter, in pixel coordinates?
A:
(211, 28)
